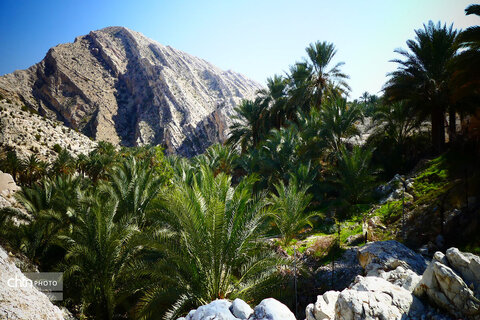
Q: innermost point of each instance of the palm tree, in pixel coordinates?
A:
(424, 77)
(300, 90)
(396, 121)
(275, 99)
(466, 64)
(289, 206)
(134, 184)
(207, 246)
(220, 158)
(320, 56)
(246, 131)
(12, 164)
(98, 252)
(338, 120)
(353, 175)
(33, 169)
(64, 163)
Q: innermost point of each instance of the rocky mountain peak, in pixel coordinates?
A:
(117, 85)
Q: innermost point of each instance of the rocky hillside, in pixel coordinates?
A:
(29, 133)
(116, 85)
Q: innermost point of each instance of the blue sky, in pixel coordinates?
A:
(257, 38)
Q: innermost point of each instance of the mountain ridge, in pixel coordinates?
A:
(116, 85)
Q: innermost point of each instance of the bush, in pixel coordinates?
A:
(37, 137)
(57, 148)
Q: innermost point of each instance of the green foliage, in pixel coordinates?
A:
(57, 148)
(207, 246)
(289, 210)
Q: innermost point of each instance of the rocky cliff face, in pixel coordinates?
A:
(116, 85)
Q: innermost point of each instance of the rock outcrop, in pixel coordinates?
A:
(22, 302)
(451, 282)
(29, 133)
(366, 298)
(7, 189)
(267, 309)
(388, 255)
(116, 85)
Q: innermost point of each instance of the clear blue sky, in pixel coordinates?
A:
(257, 38)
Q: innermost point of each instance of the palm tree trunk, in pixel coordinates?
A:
(438, 130)
(452, 129)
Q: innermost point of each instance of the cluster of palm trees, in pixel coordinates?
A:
(301, 128)
(437, 77)
(149, 235)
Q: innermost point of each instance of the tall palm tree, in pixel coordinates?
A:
(207, 246)
(246, 131)
(274, 99)
(467, 63)
(424, 77)
(338, 122)
(320, 56)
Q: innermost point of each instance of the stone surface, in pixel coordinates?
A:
(271, 309)
(240, 309)
(324, 308)
(388, 255)
(116, 85)
(400, 276)
(28, 133)
(467, 265)
(218, 310)
(444, 286)
(19, 303)
(367, 298)
(376, 298)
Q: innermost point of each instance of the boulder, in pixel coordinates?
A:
(467, 265)
(449, 283)
(324, 308)
(367, 298)
(240, 309)
(271, 309)
(218, 309)
(376, 298)
(388, 255)
(401, 277)
(22, 302)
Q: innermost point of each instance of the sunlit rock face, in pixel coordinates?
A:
(116, 85)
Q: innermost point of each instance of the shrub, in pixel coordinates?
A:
(57, 148)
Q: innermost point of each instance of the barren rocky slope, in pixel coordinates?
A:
(116, 85)
(28, 133)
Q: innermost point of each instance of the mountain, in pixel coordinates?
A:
(117, 85)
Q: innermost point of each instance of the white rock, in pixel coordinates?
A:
(271, 309)
(241, 309)
(324, 308)
(389, 255)
(443, 285)
(20, 303)
(376, 298)
(218, 310)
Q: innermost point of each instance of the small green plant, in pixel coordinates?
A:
(37, 137)
(57, 148)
